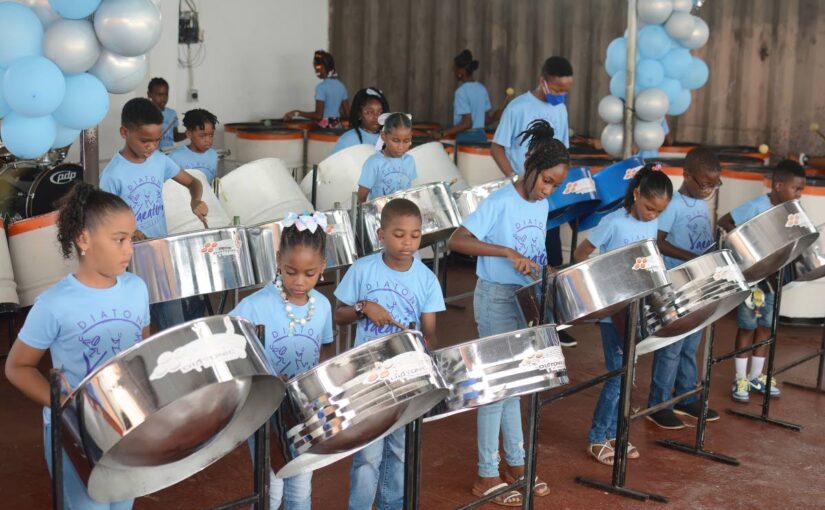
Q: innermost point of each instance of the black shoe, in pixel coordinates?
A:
(693, 409)
(666, 419)
(566, 340)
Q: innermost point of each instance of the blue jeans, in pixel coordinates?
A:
(605, 415)
(167, 314)
(75, 496)
(674, 370)
(295, 492)
(378, 474)
(496, 311)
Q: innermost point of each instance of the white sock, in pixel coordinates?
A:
(757, 362)
(741, 367)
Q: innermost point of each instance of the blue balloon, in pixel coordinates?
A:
(4, 106)
(672, 88)
(696, 75)
(21, 33)
(74, 9)
(617, 84)
(677, 62)
(681, 104)
(85, 104)
(649, 73)
(611, 68)
(34, 86)
(653, 42)
(616, 55)
(65, 137)
(28, 137)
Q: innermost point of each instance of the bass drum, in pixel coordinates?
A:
(28, 189)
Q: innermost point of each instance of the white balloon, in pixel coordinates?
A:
(680, 25)
(698, 37)
(682, 5)
(612, 139)
(72, 45)
(128, 27)
(118, 73)
(651, 104)
(654, 12)
(611, 109)
(43, 10)
(648, 136)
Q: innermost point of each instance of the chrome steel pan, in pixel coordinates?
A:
(469, 199)
(811, 263)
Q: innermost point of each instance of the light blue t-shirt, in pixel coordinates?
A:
(405, 295)
(170, 118)
(655, 154)
(517, 117)
(293, 354)
(687, 223)
(332, 92)
(471, 97)
(141, 186)
(507, 219)
(206, 162)
(83, 327)
(750, 209)
(619, 229)
(350, 138)
(383, 175)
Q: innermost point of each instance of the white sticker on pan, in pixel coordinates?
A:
(550, 359)
(210, 352)
(405, 366)
(580, 187)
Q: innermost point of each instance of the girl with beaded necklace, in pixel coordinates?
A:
(297, 321)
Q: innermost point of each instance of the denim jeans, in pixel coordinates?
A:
(167, 314)
(496, 311)
(378, 474)
(674, 370)
(295, 492)
(605, 415)
(75, 496)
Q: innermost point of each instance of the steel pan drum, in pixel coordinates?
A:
(611, 185)
(469, 199)
(265, 238)
(345, 403)
(574, 198)
(598, 287)
(768, 241)
(497, 367)
(701, 291)
(194, 264)
(168, 407)
(439, 213)
(811, 263)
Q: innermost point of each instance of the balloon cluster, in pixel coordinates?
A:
(59, 59)
(666, 72)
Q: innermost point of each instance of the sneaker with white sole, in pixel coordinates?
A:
(740, 390)
(758, 384)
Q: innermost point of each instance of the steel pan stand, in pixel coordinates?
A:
(627, 371)
(820, 353)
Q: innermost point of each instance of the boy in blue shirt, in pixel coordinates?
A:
(136, 174)
(684, 234)
(158, 92)
(378, 292)
(753, 317)
(199, 154)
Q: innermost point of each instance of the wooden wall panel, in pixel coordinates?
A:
(766, 69)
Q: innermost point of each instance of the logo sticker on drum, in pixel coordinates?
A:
(582, 186)
(631, 172)
(550, 359)
(63, 177)
(725, 273)
(222, 248)
(403, 367)
(647, 264)
(798, 220)
(202, 353)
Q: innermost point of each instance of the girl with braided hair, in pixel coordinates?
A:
(506, 233)
(330, 95)
(86, 318)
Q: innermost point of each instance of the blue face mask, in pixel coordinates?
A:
(555, 99)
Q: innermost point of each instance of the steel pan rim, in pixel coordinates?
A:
(497, 336)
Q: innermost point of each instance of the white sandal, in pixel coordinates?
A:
(605, 453)
(512, 498)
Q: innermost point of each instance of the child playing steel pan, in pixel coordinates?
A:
(390, 169)
(367, 106)
(753, 317)
(506, 233)
(684, 233)
(199, 155)
(86, 318)
(648, 194)
(384, 293)
(298, 324)
(158, 92)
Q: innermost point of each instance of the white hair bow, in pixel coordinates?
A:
(306, 221)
